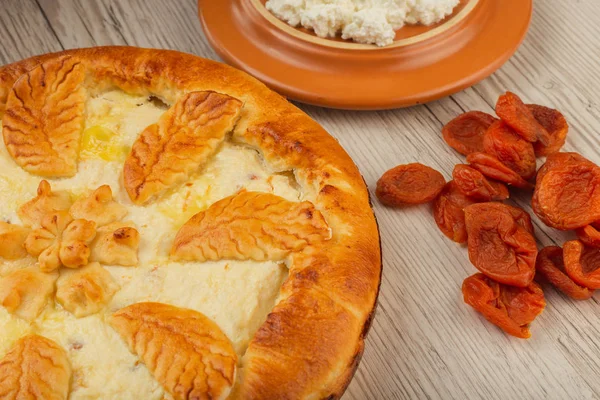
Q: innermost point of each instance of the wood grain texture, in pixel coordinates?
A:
(425, 343)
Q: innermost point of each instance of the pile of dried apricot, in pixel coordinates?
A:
(501, 153)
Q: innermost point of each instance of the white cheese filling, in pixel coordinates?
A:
(236, 295)
(364, 21)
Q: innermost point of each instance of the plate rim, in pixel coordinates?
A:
(338, 102)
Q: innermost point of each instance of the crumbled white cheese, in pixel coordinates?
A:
(370, 26)
(364, 21)
(428, 12)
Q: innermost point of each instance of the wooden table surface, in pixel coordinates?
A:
(425, 343)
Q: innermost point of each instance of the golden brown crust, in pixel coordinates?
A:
(250, 226)
(348, 270)
(43, 119)
(85, 291)
(166, 153)
(26, 291)
(116, 244)
(99, 207)
(12, 241)
(46, 201)
(283, 348)
(35, 368)
(187, 353)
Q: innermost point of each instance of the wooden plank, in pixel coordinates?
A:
(84, 24)
(24, 31)
(136, 23)
(425, 343)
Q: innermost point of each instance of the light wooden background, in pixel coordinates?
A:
(425, 343)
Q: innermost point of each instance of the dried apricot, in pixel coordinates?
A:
(498, 246)
(567, 192)
(502, 142)
(448, 212)
(511, 109)
(551, 267)
(589, 235)
(582, 263)
(492, 168)
(409, 184)
(556, 125)
(472, 183)
(522, 218)
(465, 132)
(558, 159)
(510, 308)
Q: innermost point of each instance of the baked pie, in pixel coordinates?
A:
(172, 229)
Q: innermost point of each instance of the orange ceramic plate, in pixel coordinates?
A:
(423, 64)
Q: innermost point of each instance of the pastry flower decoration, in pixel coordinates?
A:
(78, 236)
(61, 241)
